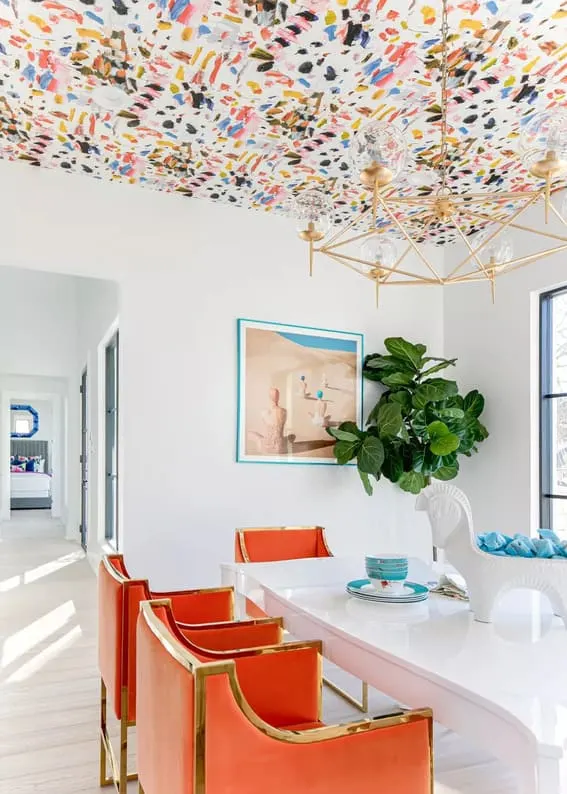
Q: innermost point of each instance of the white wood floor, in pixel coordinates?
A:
(49, 683)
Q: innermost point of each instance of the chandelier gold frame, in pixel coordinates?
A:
(412, 217)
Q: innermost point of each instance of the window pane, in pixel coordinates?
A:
(558, 516)
(23, 426)
(558, 369)
(554, 427)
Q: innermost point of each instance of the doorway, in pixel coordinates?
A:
(111, 442)
(84, 462)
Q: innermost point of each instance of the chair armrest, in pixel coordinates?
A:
(283, 684)
(393, 753)
(232, 636)
(201, 606)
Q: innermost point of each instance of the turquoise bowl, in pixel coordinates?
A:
(387, 572)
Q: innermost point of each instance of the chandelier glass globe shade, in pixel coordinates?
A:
(544, 144)
(379, 250)
(313, 212)
(498, 251)
(378, 152)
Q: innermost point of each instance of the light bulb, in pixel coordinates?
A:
(313, 211)
(379, 251)
(498, 251)
(378, 151)
(544, 144)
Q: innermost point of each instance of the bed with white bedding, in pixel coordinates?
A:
(30, 475)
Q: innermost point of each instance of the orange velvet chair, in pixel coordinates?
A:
(199, 611)
(274, 544)
(271, 544)
(252, 724)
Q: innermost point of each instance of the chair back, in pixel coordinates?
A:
(119, 599)
(165, 711)
(272, 544)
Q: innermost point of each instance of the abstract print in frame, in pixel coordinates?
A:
(293, 383)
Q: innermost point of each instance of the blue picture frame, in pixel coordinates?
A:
(35, 420)
(293, 381)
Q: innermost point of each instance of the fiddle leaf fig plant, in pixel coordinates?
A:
(419, 426)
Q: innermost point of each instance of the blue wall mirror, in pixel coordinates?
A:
(25, 421)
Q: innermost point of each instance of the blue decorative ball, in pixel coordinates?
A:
(319, 395)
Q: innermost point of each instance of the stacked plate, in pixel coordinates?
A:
(410, 594)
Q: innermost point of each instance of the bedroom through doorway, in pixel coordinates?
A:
(36, 468)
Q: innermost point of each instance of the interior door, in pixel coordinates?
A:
(84, 461)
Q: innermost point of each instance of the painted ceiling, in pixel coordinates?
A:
(248, 102)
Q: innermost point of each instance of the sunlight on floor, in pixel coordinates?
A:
(42, 570)
(27, 638)
(40, 660)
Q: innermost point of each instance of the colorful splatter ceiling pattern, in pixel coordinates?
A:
(247, 102)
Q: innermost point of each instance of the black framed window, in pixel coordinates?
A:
(111, 441)
(553, 413)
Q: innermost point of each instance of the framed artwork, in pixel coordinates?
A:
(293, 383)
(25, 421)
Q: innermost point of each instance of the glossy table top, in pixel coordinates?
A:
(517, 664)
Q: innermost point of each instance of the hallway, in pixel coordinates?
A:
(49, 684)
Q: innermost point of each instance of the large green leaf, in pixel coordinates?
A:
(447, 472)
(481, 432)
(345, 451)
(374, 361)
(443, 364)
(366, 482)
(450, 413)
(389, 419)
(352, 427)
(433, 390)
(342, 435)
(404, 350)
(393, 466)
(442, 441)
(370, 455)
(474, 403)
(373, 415)
(412, 481)
(419, 424)
(445, 445)
(397, 379)
(425, 462)
(402, 397)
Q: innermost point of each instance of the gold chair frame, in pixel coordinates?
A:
(362, 704)
(201, 670)
(119, 776)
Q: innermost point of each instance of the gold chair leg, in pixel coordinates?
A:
(361, 705)
(140, 789)
(119, 776)
(123, 782)
(103, 779)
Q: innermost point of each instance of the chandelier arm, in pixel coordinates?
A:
(444, 70)
(397, 263)
(349, 225)
(344, 259)
(346, 242)
(409, 248)
(514, 264)
(519, 226)
(466, 241)
(410, 241)
(338, 258)
(558, 214)
(504, 224)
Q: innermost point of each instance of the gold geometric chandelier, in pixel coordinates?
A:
(378, 152)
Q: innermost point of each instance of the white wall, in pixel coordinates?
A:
(97, 308)
(187, 270)
(497, 346)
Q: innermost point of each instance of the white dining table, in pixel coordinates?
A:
(502, 685)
